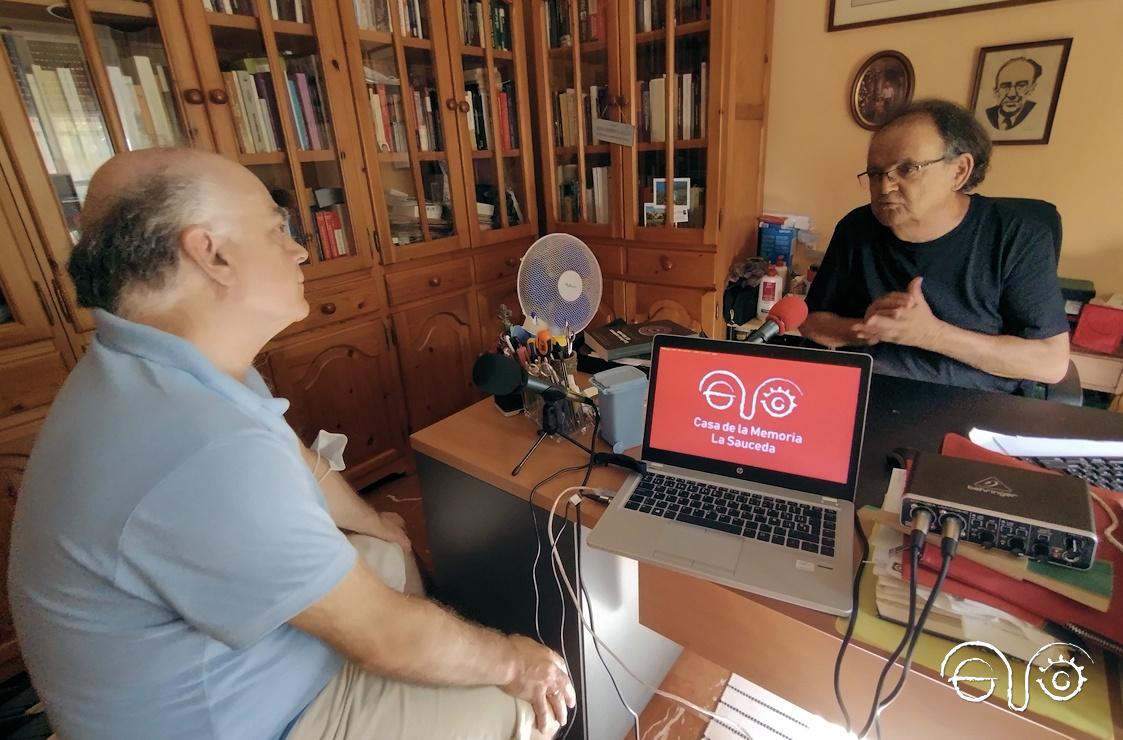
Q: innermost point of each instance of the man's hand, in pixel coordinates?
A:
(392, 528)
(901, 318)
(541, 678)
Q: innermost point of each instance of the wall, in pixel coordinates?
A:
(814, 147)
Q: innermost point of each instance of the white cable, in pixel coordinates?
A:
(569, 587)
(1109, 533)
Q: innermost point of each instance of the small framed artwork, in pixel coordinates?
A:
(884, 84)
(681, 195)
(1016, 90)
(844, 14)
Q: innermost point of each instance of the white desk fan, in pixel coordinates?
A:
(560, 283)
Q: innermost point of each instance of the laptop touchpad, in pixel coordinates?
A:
(717, 549)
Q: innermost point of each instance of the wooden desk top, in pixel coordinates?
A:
(483, 443)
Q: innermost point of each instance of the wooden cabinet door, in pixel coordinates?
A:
(15, 449)
(24, 314)
(437, 347)
(344, 379)
(488, 300)
(692, 308)
(612, 302)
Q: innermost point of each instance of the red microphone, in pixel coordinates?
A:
(787, 314)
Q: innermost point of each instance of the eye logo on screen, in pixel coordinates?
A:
(777, 396)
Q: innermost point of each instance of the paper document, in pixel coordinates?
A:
(766, 716)
(1017, 446)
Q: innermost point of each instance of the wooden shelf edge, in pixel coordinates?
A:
(292, 28)
(227, 20)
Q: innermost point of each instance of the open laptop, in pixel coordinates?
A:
(752, 461)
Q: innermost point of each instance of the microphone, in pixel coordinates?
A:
(500, 375)
(788, 314)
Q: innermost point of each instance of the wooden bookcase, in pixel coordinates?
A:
(691, 77)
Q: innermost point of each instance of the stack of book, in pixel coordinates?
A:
(500, 25)
(427, 113)
(592, 21)
(414, 22)
(302, 75)
(254, 106)
(690, 90)
(569, 187)
(373, 14)
(230, 7)
(289, 10)
(480, 116)
(558, 31)
(598, 205)
(329, 215)
(566, 130)
(384, 91)
(650, 13)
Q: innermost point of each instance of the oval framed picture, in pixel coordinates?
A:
(883, 84)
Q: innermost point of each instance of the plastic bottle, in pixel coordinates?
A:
(771, 288)
(782, 271)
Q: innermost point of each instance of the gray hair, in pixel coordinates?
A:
(960, 130)
(133, 241)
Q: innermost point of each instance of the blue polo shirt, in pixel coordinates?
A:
(166, 531)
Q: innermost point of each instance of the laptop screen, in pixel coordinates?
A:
(780, 415)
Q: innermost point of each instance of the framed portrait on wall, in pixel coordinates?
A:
(844, 14)
(883, 84)
(1016, 89)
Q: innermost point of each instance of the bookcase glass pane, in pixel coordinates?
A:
(691, 85)
(652, 166)
(438, 198)
(559, 28)
(598, 187)
(569, 188)
(691, 11)
(50, 70)
(500, 26)
(594, 86)
(5, 310)
(141, 79)
(307, 101)
(373, 14)
(425, 101)
(651, 88)
(516, 191)
(564, 100)
(650, 15)
(384, 95)
(690, 185)
(249, 86)
(487, 193)
(401, 201)
(414, 18)
(328, 216)
(277, 178)
(232, 7)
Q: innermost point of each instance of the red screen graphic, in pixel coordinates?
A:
(781, 415)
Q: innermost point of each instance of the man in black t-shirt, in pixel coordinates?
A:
(935, 283)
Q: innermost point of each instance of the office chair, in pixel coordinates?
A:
(1068, 390)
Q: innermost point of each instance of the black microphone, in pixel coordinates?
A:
(788, 314)
(500, 375)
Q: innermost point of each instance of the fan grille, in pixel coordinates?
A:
(560, 282)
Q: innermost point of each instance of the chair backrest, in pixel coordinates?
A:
(1042, 211)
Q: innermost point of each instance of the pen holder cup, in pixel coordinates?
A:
(562, 417)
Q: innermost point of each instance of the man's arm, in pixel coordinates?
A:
(347, 509)
(831, 330)
(415, 640)
(905, 318)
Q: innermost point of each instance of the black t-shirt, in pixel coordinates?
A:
(995, 273)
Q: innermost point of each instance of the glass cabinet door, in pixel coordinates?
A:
(405, 123)
(488, 56)
(275, 109)
(579, 76)
(671, 110)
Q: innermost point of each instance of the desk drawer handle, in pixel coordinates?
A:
(666, 263)
(512, 261)
(435, 281)
(327, 308)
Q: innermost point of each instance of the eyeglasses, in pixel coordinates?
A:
(1021, 86)
(904, 171)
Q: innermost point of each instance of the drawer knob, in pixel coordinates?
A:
(451, 104)
(666, 263)
(435, 281)
(193, 95)
(218, 97)
(512, 261)
(463, 106)
(327, 308)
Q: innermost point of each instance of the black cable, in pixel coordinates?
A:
(593, 629)
(853, 619)
(592, 444)
(910, 625)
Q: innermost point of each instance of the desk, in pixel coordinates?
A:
(478, 519)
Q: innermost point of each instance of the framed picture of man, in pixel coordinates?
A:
(1016, 89)
(883, 84)
(844, 14)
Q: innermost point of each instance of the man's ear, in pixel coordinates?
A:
(203, 248)
(964, 166)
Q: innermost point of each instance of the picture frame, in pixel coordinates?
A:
(884, 83)
(681, 195)
(1017, 87)
(846, 14)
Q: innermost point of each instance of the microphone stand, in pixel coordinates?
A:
(553, 411)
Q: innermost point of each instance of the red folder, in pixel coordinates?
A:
(1030, 596)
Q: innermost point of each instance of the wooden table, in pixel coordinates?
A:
(787, 649)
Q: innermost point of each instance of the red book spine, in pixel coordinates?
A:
(335, 224)
(387, 126)
(327, 240)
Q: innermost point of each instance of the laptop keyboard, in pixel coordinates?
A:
(788, 523)
(1105, 472)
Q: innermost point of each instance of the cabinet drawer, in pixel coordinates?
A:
(672, 266)
(429, 282)
(335, 306)
(1099, 373)
(611, 259)
(30, 378)
(497, 265)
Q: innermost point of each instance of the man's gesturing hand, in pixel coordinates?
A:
(901, 318)
(541, 678)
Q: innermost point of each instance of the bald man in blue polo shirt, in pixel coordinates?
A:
(177, 569)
